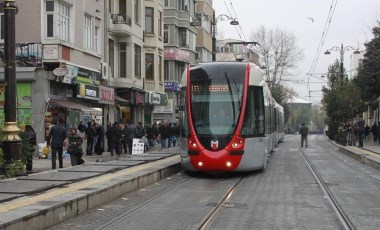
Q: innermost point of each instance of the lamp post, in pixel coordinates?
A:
(12, 142)
(341, 50)
(214, 20)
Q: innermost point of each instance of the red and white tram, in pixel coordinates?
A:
(228, 119)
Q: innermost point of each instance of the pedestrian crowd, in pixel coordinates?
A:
(119, 138)
(358, 131)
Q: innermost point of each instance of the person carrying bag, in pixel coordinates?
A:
(75, 147)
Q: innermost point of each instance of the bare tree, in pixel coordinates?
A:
(278, 51)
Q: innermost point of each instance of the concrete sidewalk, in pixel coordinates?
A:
(369, 154)
(49, 197)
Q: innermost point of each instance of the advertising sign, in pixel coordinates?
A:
(138, 146)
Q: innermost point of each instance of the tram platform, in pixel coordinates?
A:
(48, 197)
(368, 154)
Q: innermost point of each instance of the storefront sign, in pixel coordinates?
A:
(50, 52)
(106, 95)
(177, 54)
(164, 109)
(172, 86)
(140, 98)
(154, 98)
(88, 92)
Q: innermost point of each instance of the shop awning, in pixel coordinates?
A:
(71, 105)
(123, 101)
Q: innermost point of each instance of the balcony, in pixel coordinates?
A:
(120, 24)
(154, 86)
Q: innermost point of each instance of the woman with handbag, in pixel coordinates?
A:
(75, 147)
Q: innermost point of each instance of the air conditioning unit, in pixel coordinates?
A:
(106, 71)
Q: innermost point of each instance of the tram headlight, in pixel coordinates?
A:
(192, 145)
(200, 163)
(237, 143)
(228, 164)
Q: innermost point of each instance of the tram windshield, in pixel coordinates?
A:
(216, 101)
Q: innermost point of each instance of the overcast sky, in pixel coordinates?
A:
(351, 25)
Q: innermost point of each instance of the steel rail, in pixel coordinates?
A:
(334, 205)
(209, 218)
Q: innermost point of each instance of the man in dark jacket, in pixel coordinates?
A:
(304, 131)
(90, 135)
(114, 138)
(57, 136)
(131, 133)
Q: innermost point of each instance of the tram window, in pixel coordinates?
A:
(254, 118)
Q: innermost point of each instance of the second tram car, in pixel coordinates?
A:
(229, 120)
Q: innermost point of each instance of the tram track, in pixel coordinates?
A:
(205, 223)
(131, 211)
(362, 172)
(337, 210)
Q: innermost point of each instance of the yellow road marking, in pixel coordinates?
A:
(79, 185)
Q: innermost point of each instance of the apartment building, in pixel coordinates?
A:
(79, 60)
(179, 50)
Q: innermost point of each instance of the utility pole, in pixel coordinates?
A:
(12, 142)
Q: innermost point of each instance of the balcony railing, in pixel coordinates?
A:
(121, 19)
(27, 55)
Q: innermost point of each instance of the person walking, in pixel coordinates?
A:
(75, 147)
(57, 136)
(99, 140)
(304, 131)
(164, 134)
(114, 138)
(374, 132)
(367, 130)
(90, 135)
(131, 133)
(81, 127)
(360, 123)
(378, 132)
(123, 139)
(109, 126)
(30, 136)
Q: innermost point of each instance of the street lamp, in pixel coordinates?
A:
(11, 144)
(214, 20)
(342, 49)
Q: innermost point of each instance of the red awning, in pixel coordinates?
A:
(71, 105)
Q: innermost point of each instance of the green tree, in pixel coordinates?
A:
(342, 100)
(368, 78)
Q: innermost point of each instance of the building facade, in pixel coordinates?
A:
(87, 59)
(179, 51)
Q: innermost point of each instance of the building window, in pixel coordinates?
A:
(183, 37)
(63, 22)
(149, 67)
(160, 68)
(57, 20)
(160, 24)
(166, 70)
(149, 29)
(123, 60)
(166, 33)
(87, 32)
(166, 3)
(137, 61)
(97, 39)
(183, 5)
(111, 45)
(137, 11)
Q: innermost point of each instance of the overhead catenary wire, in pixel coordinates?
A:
(323, 36)
(322, 41)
